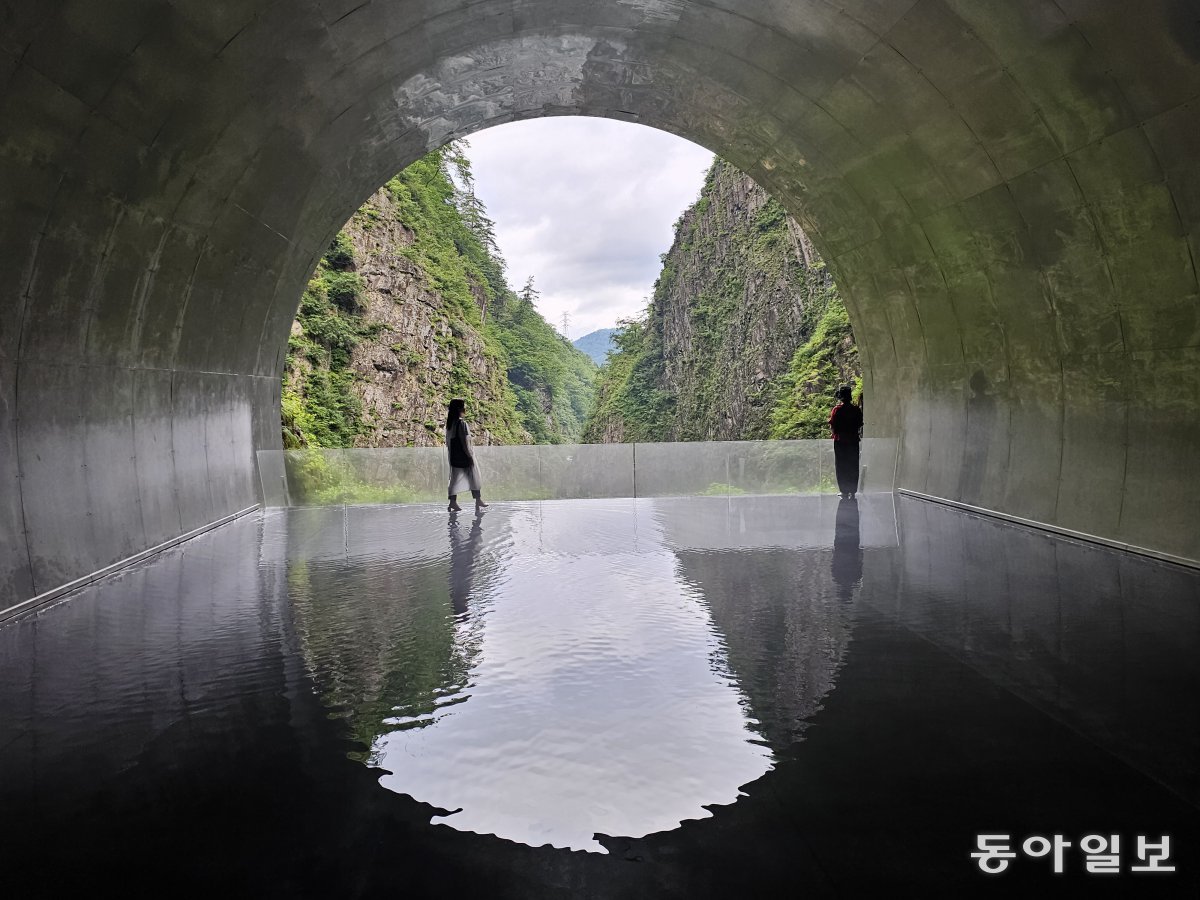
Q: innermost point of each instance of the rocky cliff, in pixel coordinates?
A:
(408, 309)
(725, 349)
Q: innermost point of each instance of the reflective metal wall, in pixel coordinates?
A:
(569, 471)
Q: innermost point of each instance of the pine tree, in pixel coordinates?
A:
(469, 206)
(529, 293)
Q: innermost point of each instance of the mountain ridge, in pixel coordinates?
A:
(596, 344)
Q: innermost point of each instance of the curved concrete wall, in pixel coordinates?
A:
(1006, 192)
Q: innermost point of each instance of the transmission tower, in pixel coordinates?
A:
(566, 323)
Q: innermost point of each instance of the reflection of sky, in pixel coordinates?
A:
(599, 701)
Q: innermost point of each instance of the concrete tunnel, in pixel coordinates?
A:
(1007, 194)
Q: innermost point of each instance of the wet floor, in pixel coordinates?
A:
(706, 697)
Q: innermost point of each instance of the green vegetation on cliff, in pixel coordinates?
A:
(743, 338)
(806, 391)
(553, 382)
(319, 406)
(631, 404)
(460, 331)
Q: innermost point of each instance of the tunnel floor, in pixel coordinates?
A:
(700, 697)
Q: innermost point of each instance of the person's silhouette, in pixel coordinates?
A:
(981, 421)
(846, 422)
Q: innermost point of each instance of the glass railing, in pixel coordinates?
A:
(568, 471)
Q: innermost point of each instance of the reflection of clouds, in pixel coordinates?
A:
(594, 665)
(595, 705)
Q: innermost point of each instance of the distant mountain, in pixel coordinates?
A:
(597, 344)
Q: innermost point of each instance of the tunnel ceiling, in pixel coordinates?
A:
(1006, 192)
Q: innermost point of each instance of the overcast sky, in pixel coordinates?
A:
(585, 206)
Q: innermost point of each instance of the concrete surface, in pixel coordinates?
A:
(1006, 192)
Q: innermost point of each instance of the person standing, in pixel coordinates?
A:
(464, 474)
(846, 421)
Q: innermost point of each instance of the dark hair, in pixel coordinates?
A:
(455, 410)
(845, 393)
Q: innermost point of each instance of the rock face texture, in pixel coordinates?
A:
(415, 343)
(409, 308)
(741, 292)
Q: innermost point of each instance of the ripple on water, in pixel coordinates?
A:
(601, 699)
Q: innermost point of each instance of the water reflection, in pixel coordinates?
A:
(599, 700)
(847, 567)
(763, 565)
(603, 668)
(378, 636)
(463, 551)
(164, 725)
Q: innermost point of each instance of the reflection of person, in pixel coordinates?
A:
(847, 550)
(846, 421)
(981, 421)
(464, 474)
(462, 562)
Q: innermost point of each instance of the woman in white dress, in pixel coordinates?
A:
(464, 474)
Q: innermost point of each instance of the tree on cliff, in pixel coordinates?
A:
(744, 337)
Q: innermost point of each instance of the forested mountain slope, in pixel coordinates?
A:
(409, 308)
(596, 344)
(744, 338)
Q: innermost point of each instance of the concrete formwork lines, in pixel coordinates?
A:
(1007, 194)
(145, 286)
(88, 309)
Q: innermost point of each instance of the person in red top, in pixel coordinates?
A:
(846, 421)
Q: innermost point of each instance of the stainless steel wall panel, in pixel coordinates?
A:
(113, 502)
(1095, 421)
(265, 409)
(1035, 443)
(154, 456)
(983, 477)
(228, 439)
(1162, 489)
(50, 409)
(189, 412)
(16, 578)
(915, 440)
(947, 432)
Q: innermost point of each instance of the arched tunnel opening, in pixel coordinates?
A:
(1007, 195)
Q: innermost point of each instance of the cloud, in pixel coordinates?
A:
(585, 206)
